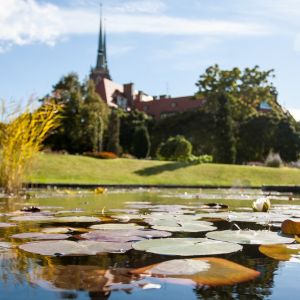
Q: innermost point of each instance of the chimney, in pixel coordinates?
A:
(128, 92)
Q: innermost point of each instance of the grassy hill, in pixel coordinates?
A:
(54, 168)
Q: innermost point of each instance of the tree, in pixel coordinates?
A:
(141, 142)
(68, 136)
(129, 121)
(198, 126)
(246, 90)
(255, 138)
(94, 119)
(176, 148)
(286, 141)
(113, 143)
(225, 144)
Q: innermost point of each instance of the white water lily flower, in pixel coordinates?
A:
(262, 204)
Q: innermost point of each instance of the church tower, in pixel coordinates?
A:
(101, 70)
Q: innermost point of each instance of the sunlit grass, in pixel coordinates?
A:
(54, 168)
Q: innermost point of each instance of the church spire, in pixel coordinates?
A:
(101, 66)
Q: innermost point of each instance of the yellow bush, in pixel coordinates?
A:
(21, 138)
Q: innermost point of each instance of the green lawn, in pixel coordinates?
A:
(54, 168)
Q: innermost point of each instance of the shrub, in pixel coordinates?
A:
(202, 159)
(141, 142)
(176, 148)
(101, 155)
(273, 160)
(22, 136)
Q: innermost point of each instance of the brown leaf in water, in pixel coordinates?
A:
(281, 251)
(290, 227)
(209, 271)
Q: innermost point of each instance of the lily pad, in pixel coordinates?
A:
(127, 218)
(122, 235)
(7, 225)
(40, 236)
(186, 227)
(186, 246)
(116, 226)
(33, 218)
(63, 230)
(282, 251)
(290, 227)
(254, 237)
(70, 248)
(5, 245)
(205, 271)
(77, 219)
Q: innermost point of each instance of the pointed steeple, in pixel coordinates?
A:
(100, 56)
(101, 69)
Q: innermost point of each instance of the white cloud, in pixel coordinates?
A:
(138, 6)
(29, 21)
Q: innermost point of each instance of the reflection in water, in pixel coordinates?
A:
(94, 277)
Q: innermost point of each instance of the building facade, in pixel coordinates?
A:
(125, 96)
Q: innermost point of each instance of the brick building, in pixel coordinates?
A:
(126, 97)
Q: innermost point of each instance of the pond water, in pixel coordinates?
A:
(27, 274)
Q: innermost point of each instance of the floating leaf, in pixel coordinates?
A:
(254, 237)
(281, 251)
(127, 218)
(205, 271)
(290, 227)
(7, 225)
(77, 219)
(186, 227)
(63, 230)
(40, 236)
(122, 235)
(5, 245)
(33, 218)
(186, 246)
(116, 226)
(70, 248)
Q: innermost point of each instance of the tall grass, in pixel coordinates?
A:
(21, 137)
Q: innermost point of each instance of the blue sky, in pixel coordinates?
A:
(160, 45)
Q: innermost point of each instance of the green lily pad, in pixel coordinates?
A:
(127, 218)
(70, 248)
(254, 237)
(5, 245)
(116, 226)
(186, 227)
(33, 218)
(63, 230)
(77, 219)
(186, 246)
(40, 236)
(210, 271)
(124, 235)
(7, 225)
